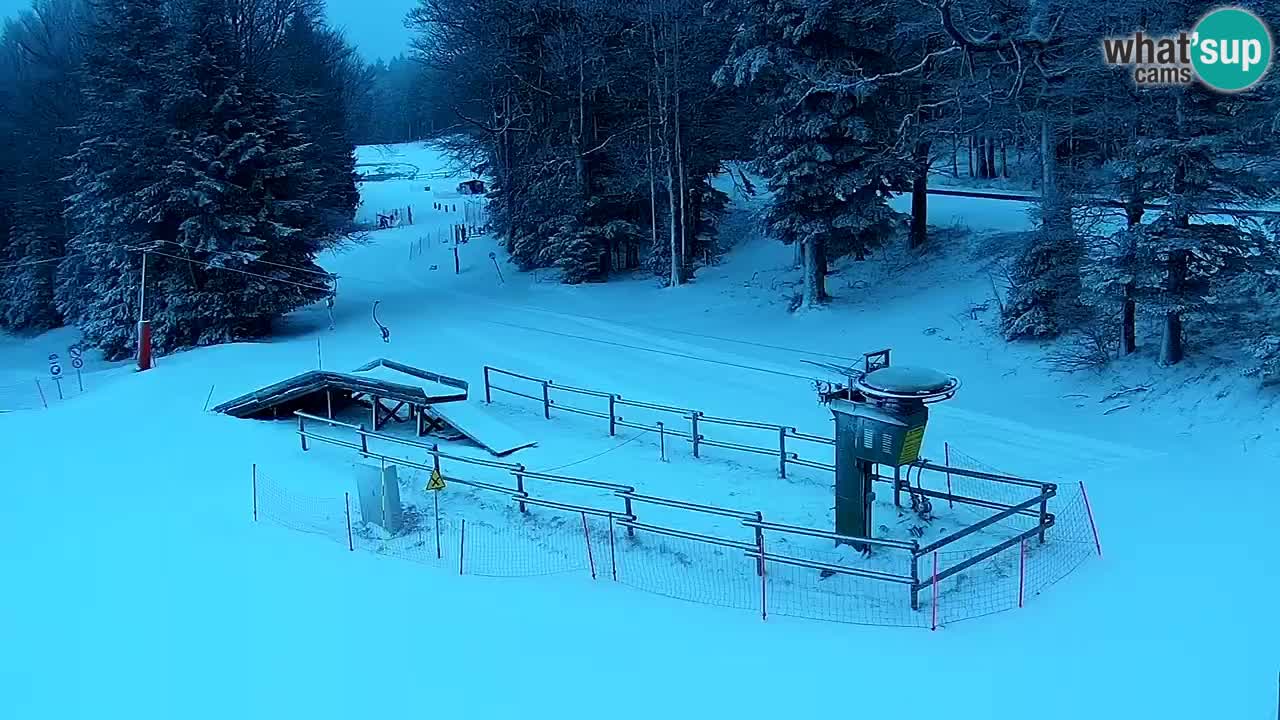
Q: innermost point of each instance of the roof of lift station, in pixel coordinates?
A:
(908, 380)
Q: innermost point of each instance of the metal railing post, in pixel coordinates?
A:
(915, 580)
(302, 432)
(897, 485)
(1044, 510)
(662, 442)
(760, 543)
(626, 505)
(764, 581)
(613, 553)
(935, 591)
(546, 400)
(346, 499)
(946, 449)
(613, 416)
(488, 397)
(1022, 571)
(782, 452)
(364, 441)
(519, 473)
(694, 418)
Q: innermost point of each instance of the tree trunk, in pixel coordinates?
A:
(679, 157)
(1171, 343)
(1004, 159)
(1171, 350)
(653, 180)
(677, 262)
(583, 178)
(508, 182)
(1133, 211)
(981, 149)
(1129, 322)
(823, 268)
(1048, 159)
(920, 197)
(814, 280)
(969, 140)
(663, 88)
(991, 157)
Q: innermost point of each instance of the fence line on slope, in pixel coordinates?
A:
(687, 424)
(772, 575)
(42, 393)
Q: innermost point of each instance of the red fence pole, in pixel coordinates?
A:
(935, 590)
(760, 544)
(1096, 543)
(346, 499)
(462, 544)
(946, 451)
(590, 559)
(1022, 570)
(764, 581)
(613, 553)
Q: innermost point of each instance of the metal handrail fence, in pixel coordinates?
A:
(627, 518)
(696, 420)
(1028, 505)
(1035, 507)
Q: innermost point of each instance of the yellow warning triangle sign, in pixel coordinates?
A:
(437, 481)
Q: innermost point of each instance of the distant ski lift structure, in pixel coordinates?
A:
(880, 420)
(471, 187)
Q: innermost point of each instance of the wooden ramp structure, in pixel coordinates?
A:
(393, 392)
(324, 391)
(478, 423)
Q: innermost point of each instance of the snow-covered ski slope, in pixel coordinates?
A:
(137, 584)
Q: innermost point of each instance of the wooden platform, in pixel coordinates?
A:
(280, 399)
(394, 393)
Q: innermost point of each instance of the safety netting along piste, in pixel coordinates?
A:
(789, 578)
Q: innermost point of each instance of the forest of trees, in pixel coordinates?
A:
(214, 134)
(223, 130)
(602, 125)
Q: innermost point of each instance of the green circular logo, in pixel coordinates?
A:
(1232, 49)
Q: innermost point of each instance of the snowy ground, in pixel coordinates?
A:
(140, 586)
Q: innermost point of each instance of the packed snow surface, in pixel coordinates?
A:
(138, 585)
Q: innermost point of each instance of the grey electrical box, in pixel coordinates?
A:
(876, 436)
(379, 488)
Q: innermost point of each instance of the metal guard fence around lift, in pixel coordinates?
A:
(696, 420)
(1035, 507)
(753, 521)
(626, 516)
(689, 566)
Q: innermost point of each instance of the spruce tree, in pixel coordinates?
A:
(247, 198)
(39, 99)
(192, 158)
(310, 70)
(133, 63)
(1196, 152)
(830, 149)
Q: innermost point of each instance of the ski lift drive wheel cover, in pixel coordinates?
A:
(905, 382)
